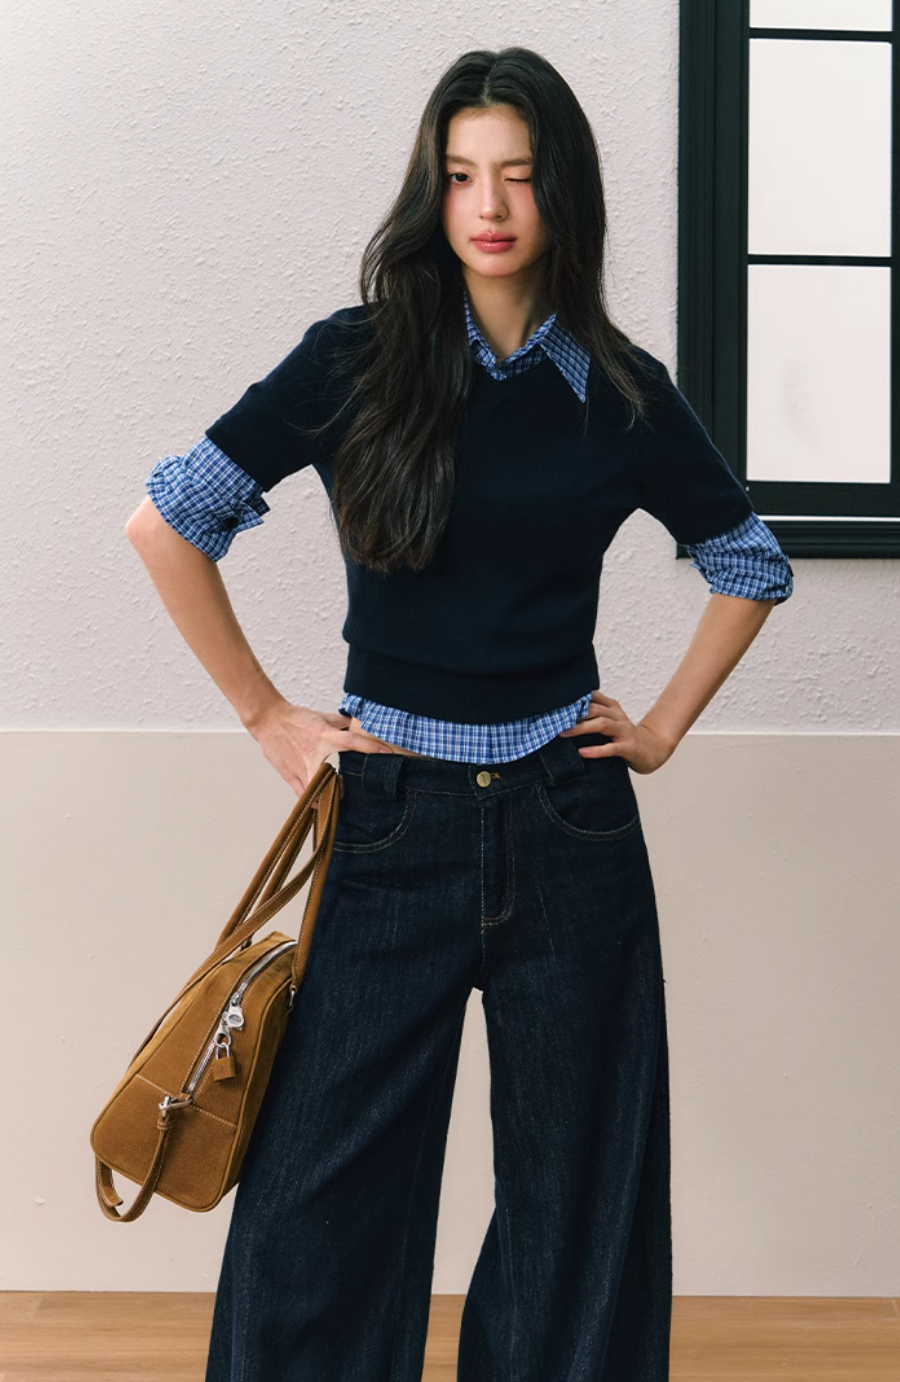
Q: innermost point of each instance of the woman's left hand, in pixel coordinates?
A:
(640, 746)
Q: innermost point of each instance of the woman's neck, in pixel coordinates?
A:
(507, 314)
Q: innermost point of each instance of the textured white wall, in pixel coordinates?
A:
(187, 188)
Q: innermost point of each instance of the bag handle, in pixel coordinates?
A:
(284, 848)
(322, 793)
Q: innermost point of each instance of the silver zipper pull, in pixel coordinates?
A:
(233, 1015)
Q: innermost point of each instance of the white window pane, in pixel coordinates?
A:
(818, 373)
(819, 147)
(820, 14)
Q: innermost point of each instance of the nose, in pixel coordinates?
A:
(494, 203)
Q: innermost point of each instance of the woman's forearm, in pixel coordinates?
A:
(191, 588)
(726, 629)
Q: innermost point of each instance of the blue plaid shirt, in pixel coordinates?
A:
(207, 498)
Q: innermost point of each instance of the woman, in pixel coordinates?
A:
(482, 429)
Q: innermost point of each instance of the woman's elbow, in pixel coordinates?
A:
(145, 519)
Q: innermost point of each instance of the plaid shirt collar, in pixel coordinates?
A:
(549, 339)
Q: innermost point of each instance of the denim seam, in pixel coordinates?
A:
(509, 1256)
(436, 1088)
(512, 1292)
(618, 833)
(638, 1162)
(511, 876)
(396, 834)
(481, 918)
(470, 795)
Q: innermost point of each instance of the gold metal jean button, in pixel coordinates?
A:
(483, 779)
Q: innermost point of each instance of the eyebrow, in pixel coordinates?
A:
(507, 162)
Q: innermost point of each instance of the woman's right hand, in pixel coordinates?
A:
(296, 740)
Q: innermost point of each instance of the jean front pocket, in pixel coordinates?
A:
(369, 820)
(596, 804)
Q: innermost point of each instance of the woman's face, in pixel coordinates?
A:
(487, 189)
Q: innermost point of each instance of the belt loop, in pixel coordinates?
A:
(380, 772)
(561, 758)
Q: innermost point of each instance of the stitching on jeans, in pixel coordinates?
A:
(511, 876)
(437, 1087)
(483, 952)
(505, 1218)
(437, 792)
(397, 834)
(483, 974)
(651, 1082)
(512, 1289)
(599, 835)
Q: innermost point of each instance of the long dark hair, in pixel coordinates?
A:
(411, 368)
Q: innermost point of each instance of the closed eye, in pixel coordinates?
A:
(465, 175)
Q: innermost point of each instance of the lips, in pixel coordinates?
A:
(493, 239)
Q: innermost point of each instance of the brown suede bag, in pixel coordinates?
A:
(179, 1120)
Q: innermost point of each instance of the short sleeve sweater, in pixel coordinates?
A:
(500, 625)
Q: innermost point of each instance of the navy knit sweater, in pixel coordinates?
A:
(501, 624)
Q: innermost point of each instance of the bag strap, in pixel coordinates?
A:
(234, 935)
(287, 843)
(321, 799)
(284, 848)
(323, 793)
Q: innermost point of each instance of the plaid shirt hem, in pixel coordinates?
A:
(498, 743)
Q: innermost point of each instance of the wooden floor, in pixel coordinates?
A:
(131, 1336)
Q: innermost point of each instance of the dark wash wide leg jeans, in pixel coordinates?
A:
(530, 881)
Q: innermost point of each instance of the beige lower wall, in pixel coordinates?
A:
(776, 865)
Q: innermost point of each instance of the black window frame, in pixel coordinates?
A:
(809, 518)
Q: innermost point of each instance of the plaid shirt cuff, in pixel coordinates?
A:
(746, 561)
(206, 497)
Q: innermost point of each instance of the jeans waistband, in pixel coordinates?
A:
(391, 773)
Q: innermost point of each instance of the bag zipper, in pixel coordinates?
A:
(232, 1015)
